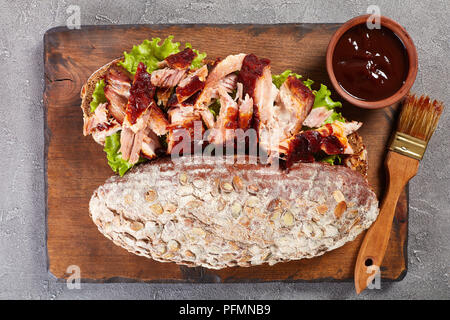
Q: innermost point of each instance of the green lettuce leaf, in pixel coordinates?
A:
(323, 99)
(333, 159)
(335, 116)
(279, 79)
(215, 108)
(150, 53)
(98, 96)
(308, 83)
(115, 160)
(198, 61)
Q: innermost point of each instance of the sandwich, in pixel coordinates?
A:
(294, 185)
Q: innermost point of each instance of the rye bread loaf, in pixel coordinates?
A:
(219, 213)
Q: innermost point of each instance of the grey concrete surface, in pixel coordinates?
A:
(23, 265)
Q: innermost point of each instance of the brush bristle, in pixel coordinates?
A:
(419, 117)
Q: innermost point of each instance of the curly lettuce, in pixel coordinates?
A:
(198, 60)
(98, 96)
(323, 99)
(151, 52)
(115, 160)
(279, 79)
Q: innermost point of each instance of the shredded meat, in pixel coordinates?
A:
(227, 121)
(316, 117)
(181, 60)
(167, 77)
(330, 139)
(191, 84)
(223, 68)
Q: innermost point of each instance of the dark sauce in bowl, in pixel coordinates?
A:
(370, 65)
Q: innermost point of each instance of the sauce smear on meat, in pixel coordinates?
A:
(141, 94)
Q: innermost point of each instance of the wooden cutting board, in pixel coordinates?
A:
(76, 165)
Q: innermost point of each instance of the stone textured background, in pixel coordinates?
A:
(23, 265)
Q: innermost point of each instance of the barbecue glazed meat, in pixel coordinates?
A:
(117, 91)
(191, 84)
(278, 114)
(183, 121)
(223, 68)
(181, 60)
(167, 78)
(295, 102)
(137, 114)
(330, 139)
(242, 85)
(227, 121)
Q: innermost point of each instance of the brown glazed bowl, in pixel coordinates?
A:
(410, 49)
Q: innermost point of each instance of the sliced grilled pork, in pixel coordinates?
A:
(100, 116)
(157, 121)
(119, 79)
(173, 69)
(137, 114)
(117, 103)
(227, 120)
(230, 64)
(117, 91)
(140, 100)
(245, 107)
(100, 125)
(191, 84)
(208, 118)
(180, 60)
(330, 139)
(150, 144)
(101, 133)
(183, 122)
(245, 112)
(167, 77)
(229, 83)
(294, 105)
(278, 114)
(256, 78)
(163, 95)
(316, 117)
(131, 144)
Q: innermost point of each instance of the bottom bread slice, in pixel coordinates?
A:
(217, 214)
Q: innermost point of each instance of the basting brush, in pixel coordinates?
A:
(417, 122)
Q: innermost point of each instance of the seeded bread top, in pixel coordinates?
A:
(217, 214)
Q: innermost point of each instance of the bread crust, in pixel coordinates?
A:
(216, 215)
(88, 88)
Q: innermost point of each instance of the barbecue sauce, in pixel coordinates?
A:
(370, 65)
(141, 94)
(307, 144)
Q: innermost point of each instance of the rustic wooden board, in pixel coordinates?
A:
(76, 165)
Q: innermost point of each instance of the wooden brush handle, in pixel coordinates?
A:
(400, 169)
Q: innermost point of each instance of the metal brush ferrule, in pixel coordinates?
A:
(408, 145)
